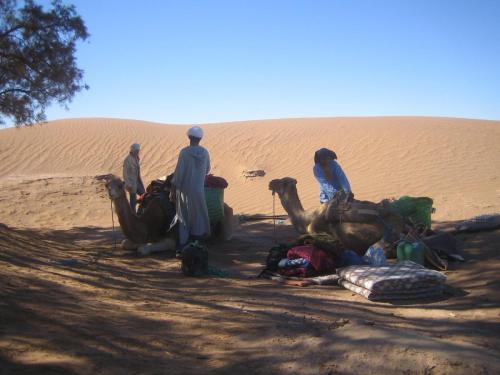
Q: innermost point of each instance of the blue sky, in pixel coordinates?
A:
(209, 61)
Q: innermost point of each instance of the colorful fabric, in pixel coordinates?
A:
(318, 258)
(391, 282)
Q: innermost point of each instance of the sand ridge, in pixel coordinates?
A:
(454, 161)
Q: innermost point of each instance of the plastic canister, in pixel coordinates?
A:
(414, 251)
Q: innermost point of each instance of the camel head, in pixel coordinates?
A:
(283, 186)
(287, 193)
(115, 187)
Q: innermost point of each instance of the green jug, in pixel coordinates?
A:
(413, 251)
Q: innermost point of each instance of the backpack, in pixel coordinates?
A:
(275, 255)
(194, 259)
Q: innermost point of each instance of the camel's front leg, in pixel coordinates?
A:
(129, 245)
(156, 247)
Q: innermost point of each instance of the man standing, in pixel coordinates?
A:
(188, 189)
(132, 175)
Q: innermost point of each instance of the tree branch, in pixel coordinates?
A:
(11, 30)
(4, 92)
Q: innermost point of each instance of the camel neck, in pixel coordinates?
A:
(292, 205)
(129, 222)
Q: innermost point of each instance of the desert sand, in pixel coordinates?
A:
(72, 303)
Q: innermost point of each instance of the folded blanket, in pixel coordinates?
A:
(418, 293)
(405, 278)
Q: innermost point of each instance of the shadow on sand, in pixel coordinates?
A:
(112, 311)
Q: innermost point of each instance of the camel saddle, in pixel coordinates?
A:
(157, 189)
(343, 208)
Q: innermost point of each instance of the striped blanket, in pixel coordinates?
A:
(405, 280)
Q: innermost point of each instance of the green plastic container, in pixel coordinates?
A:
(215, 204)
(414, 251)
(416, 209)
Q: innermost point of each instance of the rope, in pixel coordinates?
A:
(274, 218)
(113, 221)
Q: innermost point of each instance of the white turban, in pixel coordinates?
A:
(135, 147)
(195, 132)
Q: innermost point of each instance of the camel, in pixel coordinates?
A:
(147, 233)
(356, 236)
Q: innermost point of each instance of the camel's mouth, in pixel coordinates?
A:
(115, 188)
(273, 185)
(114, 194)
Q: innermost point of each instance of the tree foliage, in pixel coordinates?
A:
(37, 58)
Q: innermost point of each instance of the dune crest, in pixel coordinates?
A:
(454, 161)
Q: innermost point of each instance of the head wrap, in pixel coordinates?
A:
(135, 147)
(323, 153)
(195, 132)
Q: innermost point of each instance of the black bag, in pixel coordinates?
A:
(194, 259)
(275, 255)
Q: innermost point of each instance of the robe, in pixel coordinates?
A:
(328, 188)
(189, 180)
(132, 174)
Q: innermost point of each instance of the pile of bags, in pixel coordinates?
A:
(371, 275)
(317, 254)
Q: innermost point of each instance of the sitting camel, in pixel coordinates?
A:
(147, 232)
(357, 236)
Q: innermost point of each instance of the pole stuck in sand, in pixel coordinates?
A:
(113, 222)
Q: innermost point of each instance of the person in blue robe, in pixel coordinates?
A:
(329, 174)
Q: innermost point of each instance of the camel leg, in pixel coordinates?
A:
(129, 245)
(156, 247)
(227, 223)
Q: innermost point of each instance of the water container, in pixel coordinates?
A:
(416, 209)
(414, 251)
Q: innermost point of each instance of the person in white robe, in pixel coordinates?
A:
(188, 189)
(132, 175)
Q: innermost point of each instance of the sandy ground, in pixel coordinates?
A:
(73, 304)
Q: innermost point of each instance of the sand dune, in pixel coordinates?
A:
(71, 302)
(454, 161)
